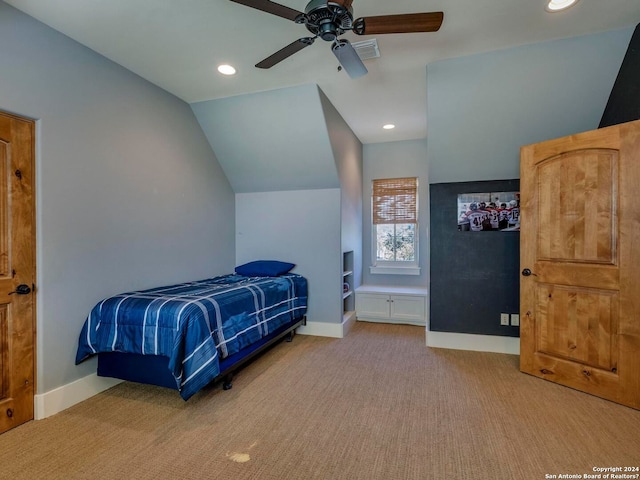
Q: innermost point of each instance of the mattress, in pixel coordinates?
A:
(195, 324)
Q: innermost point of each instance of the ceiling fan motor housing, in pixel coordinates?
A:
(327, 20)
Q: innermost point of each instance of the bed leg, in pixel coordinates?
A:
(227, 382)
(290, 335)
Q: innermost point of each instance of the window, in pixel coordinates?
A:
(394, 207)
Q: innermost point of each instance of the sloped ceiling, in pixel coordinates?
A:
(271, 141)
(178, 44)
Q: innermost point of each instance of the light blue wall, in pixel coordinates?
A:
(482, 108)
(129, 192)
(395, 160)
(347, 153)
(301, 227)
(271, 141)
(312, 226)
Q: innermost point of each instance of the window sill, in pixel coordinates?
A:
(395, 270)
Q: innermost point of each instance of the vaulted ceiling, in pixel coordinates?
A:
(177, 45)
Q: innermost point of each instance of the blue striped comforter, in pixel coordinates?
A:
(195, 324)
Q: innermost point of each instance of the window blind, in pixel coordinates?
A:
(395, 200)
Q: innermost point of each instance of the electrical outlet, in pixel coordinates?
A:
(504, 319)
(515, 319)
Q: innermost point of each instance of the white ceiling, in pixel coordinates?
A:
(177, 45)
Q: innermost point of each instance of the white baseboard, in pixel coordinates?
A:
(349, 320)
(478, 343)
(326, 329)
(61, 398)
(58, 399)
(417, 323)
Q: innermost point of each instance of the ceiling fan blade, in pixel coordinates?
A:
(271, 7)
(403, 23)
(285, 52)
(348, 58)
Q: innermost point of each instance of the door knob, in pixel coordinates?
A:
(22, 289)
(526, 272)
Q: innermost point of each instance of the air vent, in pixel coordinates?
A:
(367, 49)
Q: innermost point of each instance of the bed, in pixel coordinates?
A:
(189, 335)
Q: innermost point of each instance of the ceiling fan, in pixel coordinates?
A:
(328, 19)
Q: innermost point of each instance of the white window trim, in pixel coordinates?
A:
(394, 267)
(391, 267)
(394, 270)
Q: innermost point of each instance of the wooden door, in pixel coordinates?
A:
(580, 260)
(17, 271)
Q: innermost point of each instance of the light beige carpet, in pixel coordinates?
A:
(378, 404)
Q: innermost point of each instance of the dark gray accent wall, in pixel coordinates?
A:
(474, 275)
(624, 101)
(481, 109)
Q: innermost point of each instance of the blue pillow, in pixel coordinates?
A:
(264, 268)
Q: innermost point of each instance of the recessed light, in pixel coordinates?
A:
(389, 126)
(226, 69)
(558, 5)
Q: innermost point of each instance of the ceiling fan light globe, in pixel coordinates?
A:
(348, 58)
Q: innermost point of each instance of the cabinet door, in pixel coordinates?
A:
(408, 307)
(372, 305)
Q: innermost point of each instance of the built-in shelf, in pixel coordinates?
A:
(348, 301)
